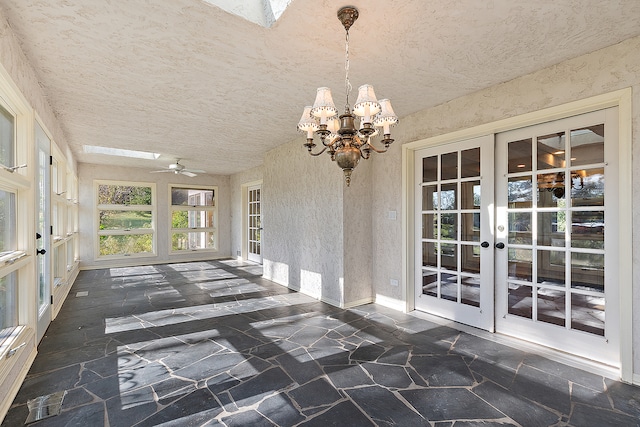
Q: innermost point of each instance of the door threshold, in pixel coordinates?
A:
(588, 365)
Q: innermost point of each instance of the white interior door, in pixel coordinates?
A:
(43, 231)
(254, 224)
(454, 213)
(556, 277)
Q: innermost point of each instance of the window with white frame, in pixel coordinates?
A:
(125, 218)
(193, 214)
(11, 186)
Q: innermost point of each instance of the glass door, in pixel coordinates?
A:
(43, 230)
(556, 194)
(454, 211)
(254, 222)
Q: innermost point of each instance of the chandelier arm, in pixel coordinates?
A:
(330, 143)
(369, 145)
(318, 153)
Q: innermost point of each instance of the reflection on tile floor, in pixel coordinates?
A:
(211, 343)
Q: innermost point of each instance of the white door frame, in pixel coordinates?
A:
(244, 190)
(623, 100)
(44, 311)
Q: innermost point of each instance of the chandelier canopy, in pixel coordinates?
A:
(340, 137)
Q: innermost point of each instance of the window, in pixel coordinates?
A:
(11, 228)
(7, 139)
(126, 219)
(193, 214)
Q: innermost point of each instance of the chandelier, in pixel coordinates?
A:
(340, 137)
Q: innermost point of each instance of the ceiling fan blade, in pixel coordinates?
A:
(192, 170)
(162, 171)
(187, 173)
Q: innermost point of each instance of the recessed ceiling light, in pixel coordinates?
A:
(521, 165)
(95, 149)
(557, 153)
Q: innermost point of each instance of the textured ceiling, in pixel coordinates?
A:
(188, 80)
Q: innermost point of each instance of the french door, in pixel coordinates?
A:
(454, 255)
(556, 280)
(43, 231)
(524, 240)
(254, 224)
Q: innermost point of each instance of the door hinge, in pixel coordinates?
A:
(50, 160)
(51, 299)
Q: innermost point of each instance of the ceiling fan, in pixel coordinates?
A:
(177, 168)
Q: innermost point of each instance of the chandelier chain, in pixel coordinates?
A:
(347, 83)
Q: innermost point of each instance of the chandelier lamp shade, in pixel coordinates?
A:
(347, 137)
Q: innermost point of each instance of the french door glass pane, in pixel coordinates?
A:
(587, 145)
(587, 313)
(449, 166)
(551, 268)
(430, 169)
(470, 160)
(588, 188)
(551, 151)
(519, 228)
(520, 300)
(551, 306)
(519, 156)
(520, 192)
(429, 197)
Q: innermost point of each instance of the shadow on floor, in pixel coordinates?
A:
(212, 343)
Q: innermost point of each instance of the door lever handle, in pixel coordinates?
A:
(41, 251)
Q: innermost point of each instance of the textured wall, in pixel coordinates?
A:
(603, 71)
(303, 230)
(23, 75)
(89, 173)
(358, 235)
(236, 182)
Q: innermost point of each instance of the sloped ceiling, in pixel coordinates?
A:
(189, 80)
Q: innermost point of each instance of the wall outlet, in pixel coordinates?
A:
(239, 253)
(393, 282)
(393, 215)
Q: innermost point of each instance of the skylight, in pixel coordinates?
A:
(94, 149)
(261, 12)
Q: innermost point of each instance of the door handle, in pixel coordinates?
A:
(484, 244)
(38, 236)
(500, 245)
(41, 251)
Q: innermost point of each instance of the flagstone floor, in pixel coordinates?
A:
(214, 344)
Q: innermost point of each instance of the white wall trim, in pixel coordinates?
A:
(621, 99)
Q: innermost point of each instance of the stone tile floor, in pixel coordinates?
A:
(212, 343)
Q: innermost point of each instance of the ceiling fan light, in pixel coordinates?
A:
(323, 107)
(366, 105)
